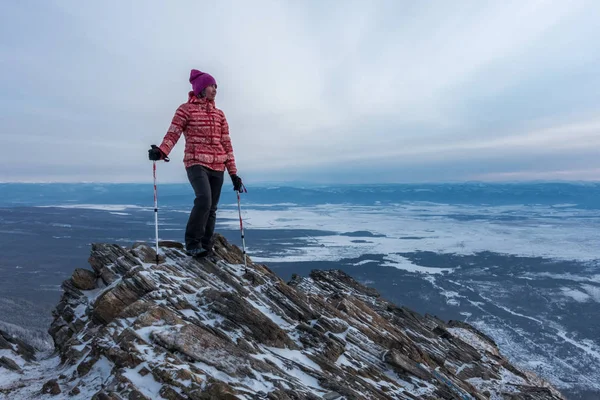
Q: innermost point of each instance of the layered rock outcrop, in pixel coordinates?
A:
(207, 329)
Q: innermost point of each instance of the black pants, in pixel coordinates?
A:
(207, 185)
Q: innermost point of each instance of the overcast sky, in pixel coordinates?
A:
(323, 91)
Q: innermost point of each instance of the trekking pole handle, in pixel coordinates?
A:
(242, 189)
(166, 159)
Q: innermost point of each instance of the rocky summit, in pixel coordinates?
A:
(131, 328)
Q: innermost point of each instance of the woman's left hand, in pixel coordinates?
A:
(237, 183)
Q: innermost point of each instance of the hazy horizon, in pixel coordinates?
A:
(301, 182)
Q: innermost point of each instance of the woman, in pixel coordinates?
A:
(208, 152)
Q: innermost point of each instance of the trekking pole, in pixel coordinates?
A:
(155, 209)
(166, 159)
(242, 226)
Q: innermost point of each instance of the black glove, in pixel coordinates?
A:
(237, 183)
(155, 154)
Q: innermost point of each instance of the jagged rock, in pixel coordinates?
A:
(202, 345)
(115, 300)
(136, 395)
(464, 325)
(9, 364)
(86, 365)
(262, 329)
(216, 391)
(17, 345)
(146, 253)
(84, 279)
(208, 329)
(333, 396)
(529, 393)
(75, 391)
(405, 365)
(157, 314)
(170, 244)
(474, 371)
(102, 395)
(330, 325)
(26, 351)
(51, 387)
(4, 343)
(170, 394)
(108, 276)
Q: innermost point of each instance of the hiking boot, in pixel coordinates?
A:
(198, 253)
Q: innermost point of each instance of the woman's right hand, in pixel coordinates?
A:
(156, 154)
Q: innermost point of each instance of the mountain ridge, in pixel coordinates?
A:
(206, 329)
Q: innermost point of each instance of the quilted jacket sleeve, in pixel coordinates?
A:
(178, 125)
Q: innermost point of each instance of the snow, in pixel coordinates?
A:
(269, 314)
(101, 207)
(8, 378)
(371, 382)
(587, 346)
(189, 313)
(254, 384)
(363, 262)
(592, 291)
(343, 361)
(13, 356)
(213, 320)
(508, 310)
(575, 294)
(474, 340)
(296, 356)
(79, 311)
(79, 347)
(462, 368)
(566, 276)
(508, 383)
(93, 294)
(451, 297)
(145, 332)
(290, 369)
(507, 376)
(102, 369)
(146, 384)
(431, 227)
(417, 387)
(35, 374)
(399, 262)
(564, 205)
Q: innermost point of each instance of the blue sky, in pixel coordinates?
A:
(324, 91)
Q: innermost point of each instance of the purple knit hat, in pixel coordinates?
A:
(200, 81)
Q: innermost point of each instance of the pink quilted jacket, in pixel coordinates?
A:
(206, 133)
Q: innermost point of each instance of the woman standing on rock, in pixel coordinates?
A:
(208, 152)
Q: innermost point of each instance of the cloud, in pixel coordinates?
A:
(304, 85)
